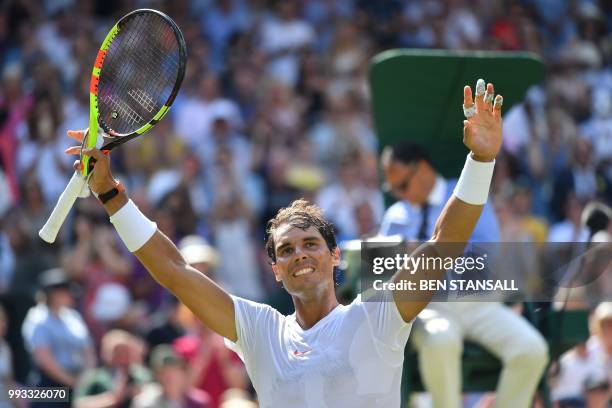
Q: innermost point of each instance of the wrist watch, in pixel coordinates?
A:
(112, 193)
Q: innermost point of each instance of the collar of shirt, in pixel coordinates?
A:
(438, 193)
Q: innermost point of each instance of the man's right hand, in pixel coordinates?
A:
(101, 179)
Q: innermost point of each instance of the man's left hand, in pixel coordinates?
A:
(482, 130)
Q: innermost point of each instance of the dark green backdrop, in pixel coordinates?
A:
(417, 95)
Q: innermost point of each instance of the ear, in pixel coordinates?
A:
(336, 256)
(276, 272)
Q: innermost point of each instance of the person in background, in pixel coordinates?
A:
(118, 380)
(570, 228)
(585, 372)
(94, 262)
(172, 388)
(56, 335)
(167, 325)
(233, 218)
(599, 392)
(213, 367)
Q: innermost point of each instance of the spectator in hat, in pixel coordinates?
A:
(172, 388)
(199, 254)
(56, 335)
(112, 307)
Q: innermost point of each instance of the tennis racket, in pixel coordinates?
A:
(136, 76)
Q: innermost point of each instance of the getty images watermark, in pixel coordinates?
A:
(483, 272)
(424, 264)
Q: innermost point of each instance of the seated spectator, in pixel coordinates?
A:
(578, 371)
(119, 379)
(172, 388)
(56, 335)
(585, 375)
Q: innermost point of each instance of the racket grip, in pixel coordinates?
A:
(66, 200)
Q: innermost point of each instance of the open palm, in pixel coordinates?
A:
(482, 132)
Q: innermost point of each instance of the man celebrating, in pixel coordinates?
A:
(325, 354)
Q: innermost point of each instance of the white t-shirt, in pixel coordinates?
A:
(352, 357)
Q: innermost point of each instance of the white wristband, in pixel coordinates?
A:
(132, 226)
(474, 182)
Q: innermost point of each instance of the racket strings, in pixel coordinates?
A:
(138, 74)
(147, 60)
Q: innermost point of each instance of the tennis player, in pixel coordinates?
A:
(325, 354)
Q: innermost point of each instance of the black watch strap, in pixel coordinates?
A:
(110, 194)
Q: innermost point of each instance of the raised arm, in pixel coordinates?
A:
(209, 302)
(482, 134)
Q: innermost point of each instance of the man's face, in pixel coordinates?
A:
(303, 261)
(405, 181)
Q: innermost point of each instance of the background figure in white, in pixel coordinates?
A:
(192, 117)
(341, 199)
(233, 219)
(282, 38)
(585, 372)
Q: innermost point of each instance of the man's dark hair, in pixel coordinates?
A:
(300, 214)
(405, 152)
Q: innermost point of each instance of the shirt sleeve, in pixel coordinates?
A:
(396, 221)
(254, 321)
(384, 318)
(39, 338)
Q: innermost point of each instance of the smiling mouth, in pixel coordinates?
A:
(303, 271)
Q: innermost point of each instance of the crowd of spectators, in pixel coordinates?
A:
(274, 106)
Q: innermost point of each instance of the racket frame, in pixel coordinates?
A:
(117, 139)
(78, 181)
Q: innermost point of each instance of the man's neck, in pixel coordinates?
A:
(309, 311)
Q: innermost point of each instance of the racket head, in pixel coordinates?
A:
(137, 74)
